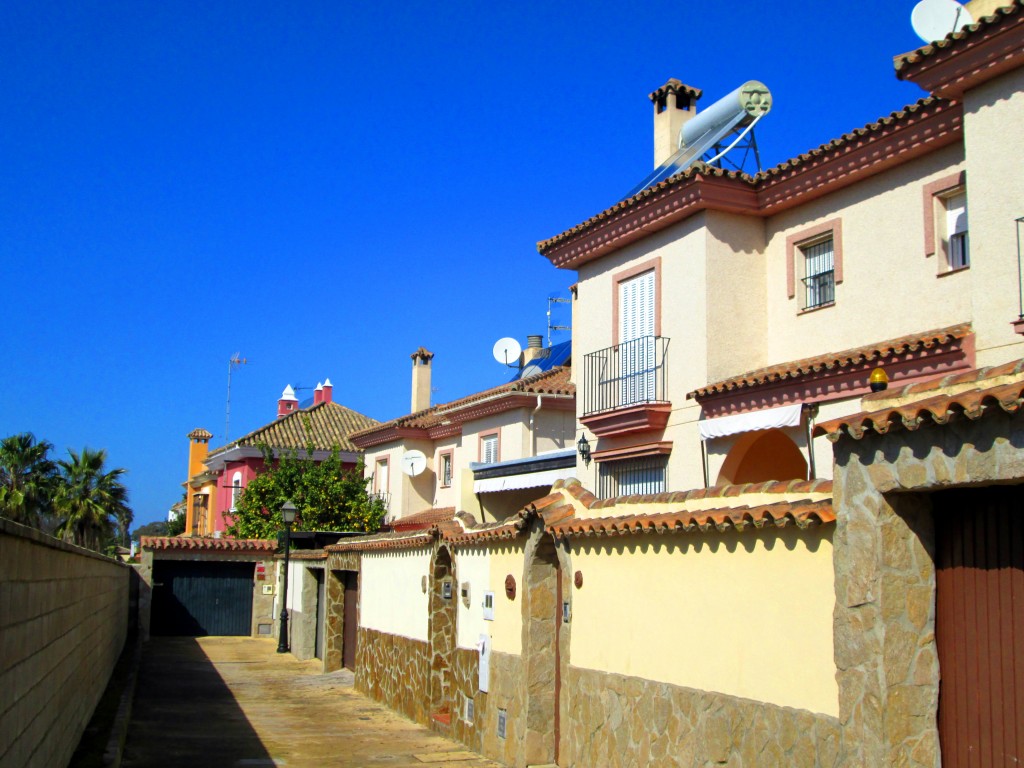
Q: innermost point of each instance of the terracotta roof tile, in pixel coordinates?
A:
(835, 360)
(196, 544)
(1010, 13)
(325, 425)
(200, 434)
(380, 541)
(790, 488)
(800, 513)
(971, 394)
(675, 86)
(554, 382)
(423, 520)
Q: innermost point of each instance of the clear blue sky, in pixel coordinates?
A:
(326, 186)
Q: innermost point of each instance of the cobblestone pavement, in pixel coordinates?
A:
(234, 701)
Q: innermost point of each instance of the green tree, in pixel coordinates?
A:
(157, 528)
(92, 501)
(28, 479)
(176, 525)
(326, 497)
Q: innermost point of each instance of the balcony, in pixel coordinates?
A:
(624, 388)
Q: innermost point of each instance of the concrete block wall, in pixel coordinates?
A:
(63, 624)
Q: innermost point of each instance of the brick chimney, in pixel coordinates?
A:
(288, 403)
(421, 379)
(674, 104)
(318, 394)
(328, 395)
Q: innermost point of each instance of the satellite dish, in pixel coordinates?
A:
(413, 463)
(507, 351)
(934, 19)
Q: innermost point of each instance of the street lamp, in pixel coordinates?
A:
(288, 513)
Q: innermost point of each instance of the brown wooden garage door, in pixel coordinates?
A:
(979, 625)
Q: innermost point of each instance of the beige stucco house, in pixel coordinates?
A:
(719, 315)
(487, 454)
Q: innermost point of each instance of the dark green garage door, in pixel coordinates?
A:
(196, 598)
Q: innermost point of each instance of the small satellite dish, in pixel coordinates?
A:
(413, 463)
(934, 19)
(507, 351)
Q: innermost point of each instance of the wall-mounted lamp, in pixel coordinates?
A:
(583, 446)
(879, 380)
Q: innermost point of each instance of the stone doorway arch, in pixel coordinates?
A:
(442, 633)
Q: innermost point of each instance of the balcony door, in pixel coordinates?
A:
(636, 354)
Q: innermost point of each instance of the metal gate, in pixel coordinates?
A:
(202, 598)
(979, 625)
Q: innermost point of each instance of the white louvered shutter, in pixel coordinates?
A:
(636, 338)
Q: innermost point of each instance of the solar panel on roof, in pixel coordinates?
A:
(558, 354)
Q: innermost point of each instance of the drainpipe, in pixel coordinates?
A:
(704, 461)
(812, 410)
(533, 433)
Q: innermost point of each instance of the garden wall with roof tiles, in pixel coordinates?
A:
(617, 720)
(395, 671)
(886, 657)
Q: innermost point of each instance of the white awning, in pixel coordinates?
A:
(527, 480)
(772, 418)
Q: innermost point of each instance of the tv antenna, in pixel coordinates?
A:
(507, 352)
(552, 300)
(934, 19)
(233, 363)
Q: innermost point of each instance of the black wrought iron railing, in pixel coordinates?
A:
(631, 373)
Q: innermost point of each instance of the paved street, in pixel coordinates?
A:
(231, 701)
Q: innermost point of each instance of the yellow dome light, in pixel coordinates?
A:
(878, 380)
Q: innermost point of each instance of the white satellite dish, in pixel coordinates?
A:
(413, 463)
(934, 19)
(507, 351)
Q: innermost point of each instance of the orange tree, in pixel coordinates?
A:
(327, 497)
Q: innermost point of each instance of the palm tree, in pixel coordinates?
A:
(91, 500)
(27, 479)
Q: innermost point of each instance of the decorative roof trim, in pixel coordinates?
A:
(778, 515)
(928, 343)
(970, 57)
(204, 544)
(675, 86)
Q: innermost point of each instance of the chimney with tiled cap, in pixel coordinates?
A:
(674, 104)
(318, 394)
(421, 379)
(328, 395)
(288, 403)
(534, 349)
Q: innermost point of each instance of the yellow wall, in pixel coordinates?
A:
(507, 627)
(745, 614)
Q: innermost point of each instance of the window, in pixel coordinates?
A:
(236, 490)
(819, 273)
(445, 471)
(489, 448)
(957, 245)
(636, 332)
(945, 222)
(646, 474)
(814, 257)
(380, 477)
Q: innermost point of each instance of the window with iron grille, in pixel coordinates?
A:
(648, 474)
(819, 273)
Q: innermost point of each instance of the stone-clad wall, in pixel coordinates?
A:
(63, 623)
(394, 671)
(507, 692)
(614, 720)
(886, 657)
